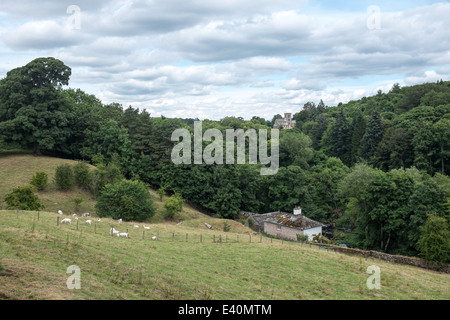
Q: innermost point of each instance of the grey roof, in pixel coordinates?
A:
(294, 221)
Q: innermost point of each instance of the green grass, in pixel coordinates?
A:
(36, 254)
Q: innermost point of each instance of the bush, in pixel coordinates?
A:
(23, 198)
(82, 176)
(173, 205)
(434, 241)
(39, 180)
(302, 237)
(251, 222)
(127, 199)
(102, 176)
(226, 227)
(64, 177)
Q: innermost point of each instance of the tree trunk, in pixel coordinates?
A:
(36, 150)
(387, 243)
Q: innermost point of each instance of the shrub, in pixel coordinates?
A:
(226, 227)
(23, 198)
(251, 222)
(173, 205)
(127, 199)
(76, 203)
(82, 176)
(102, 176)
(64, 177)
(434, 241)
(39, 180)
(302, 237)
(161, 192)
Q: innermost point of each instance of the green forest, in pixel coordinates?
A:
(374, 170)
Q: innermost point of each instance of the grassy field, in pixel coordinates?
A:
(35, 255)
(186, 262)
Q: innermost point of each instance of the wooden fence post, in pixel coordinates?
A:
(57, 221)
(38, 215)
(186, 237)
(143, 234)
(214, 238)
(77, 224)
(201, 240)
(250, 238)
(95, 227)
(173, 236)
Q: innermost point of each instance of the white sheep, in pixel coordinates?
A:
(154, 238)
(120, 221)
(145, 227)
(60, 212)
(67, 220)
(136, 226)
(85, 215)
(89, 222)
(99, 220)
(113, 231)
(74, 215)
(123, 235)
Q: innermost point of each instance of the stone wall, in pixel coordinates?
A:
(413, 261)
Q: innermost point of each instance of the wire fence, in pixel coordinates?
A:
(145, 232)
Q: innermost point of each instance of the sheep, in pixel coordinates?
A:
(69, 221)
(99, 220)
(89, 222)
(154, 238)
(136, 226)
(85, 215)
(113, 231)
(120, 221)
(76, 218)
(145, 227)
(60, 212)
(123, 235)
(74, 215)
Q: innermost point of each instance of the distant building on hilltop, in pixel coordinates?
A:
(285, 123)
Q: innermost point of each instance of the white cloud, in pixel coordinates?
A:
(209, 59)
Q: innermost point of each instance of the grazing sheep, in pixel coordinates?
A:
(88, 221)
(120, 221)
(99, 220)
(145, 227)
(123, 235)
(76, 218)
(60, 212)
(136, 226)
(69, 221)
(74, 215)
(113, 231)
(154, 238)
(85, 215)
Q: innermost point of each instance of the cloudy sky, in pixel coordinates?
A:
(211, 59)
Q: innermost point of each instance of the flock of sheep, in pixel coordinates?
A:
(112, 231)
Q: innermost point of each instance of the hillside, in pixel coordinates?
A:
(36, 254)
(18, 167)
(188, 261)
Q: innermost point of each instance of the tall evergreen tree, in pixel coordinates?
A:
(372, 136)
(341, 138)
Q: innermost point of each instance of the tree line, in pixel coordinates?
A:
(374, 168)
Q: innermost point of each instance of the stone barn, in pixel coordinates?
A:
(288, 225)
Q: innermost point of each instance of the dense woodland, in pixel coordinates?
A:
(373, 169)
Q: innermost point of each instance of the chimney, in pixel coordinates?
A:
(297, 210)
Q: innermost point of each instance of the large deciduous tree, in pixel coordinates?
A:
(33, 112)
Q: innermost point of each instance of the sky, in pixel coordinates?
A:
(244, 58)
